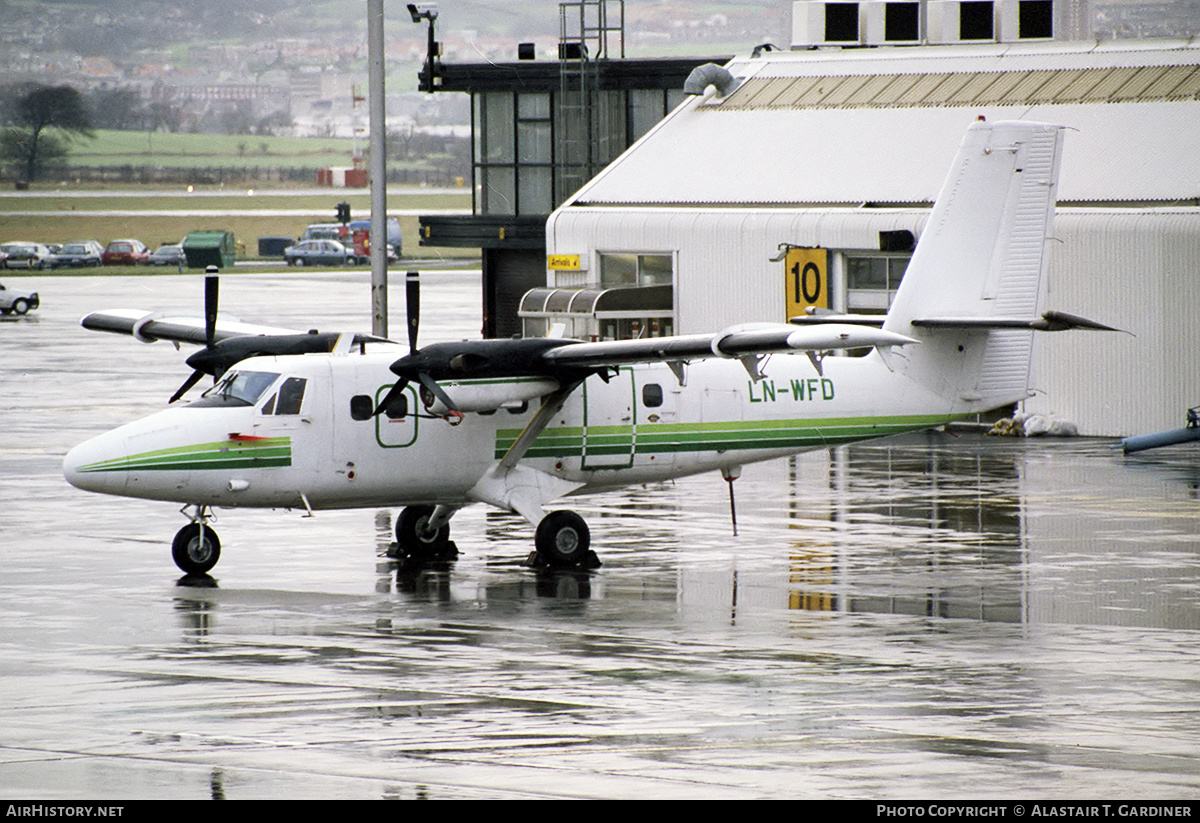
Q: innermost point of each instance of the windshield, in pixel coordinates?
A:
(238, 388)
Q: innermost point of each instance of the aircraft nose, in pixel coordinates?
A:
(90, 465)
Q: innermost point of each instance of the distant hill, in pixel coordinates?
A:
(115, 27)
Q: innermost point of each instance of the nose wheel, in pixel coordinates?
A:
(196, 548)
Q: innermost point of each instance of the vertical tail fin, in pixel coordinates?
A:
(979, 268)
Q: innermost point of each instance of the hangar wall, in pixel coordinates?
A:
(1138, 270)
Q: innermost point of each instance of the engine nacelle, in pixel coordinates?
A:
(489, 395)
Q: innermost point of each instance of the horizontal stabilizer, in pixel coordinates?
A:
(1049, 321)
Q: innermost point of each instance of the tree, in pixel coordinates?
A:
(43, 119)
(120, 109)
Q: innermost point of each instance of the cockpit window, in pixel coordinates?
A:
(238, 388)
(291, 395)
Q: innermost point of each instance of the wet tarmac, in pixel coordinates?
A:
(934, 616)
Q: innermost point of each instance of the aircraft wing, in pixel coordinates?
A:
(750, 340)
(151, 326)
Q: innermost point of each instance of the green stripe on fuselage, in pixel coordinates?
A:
(225, 454)
(663, 438)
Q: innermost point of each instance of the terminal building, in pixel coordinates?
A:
(799, 177)
(540, 130)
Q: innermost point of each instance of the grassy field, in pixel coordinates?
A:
(54, 212)
(135, 148)
(57, 217)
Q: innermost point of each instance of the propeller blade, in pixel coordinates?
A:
(412, 294)
(395, 391)
(187, 384)
(210, 308)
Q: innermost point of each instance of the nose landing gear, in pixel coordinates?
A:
(196, 547)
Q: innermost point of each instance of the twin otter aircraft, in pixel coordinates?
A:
(338, 422)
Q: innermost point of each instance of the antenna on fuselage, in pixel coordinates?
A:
(731, 473)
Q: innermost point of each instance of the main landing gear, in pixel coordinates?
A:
(196, 548)
(423, 534)
(563, 540)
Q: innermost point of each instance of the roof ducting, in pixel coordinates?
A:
(710, 74)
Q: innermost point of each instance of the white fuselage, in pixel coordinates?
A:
(639, 426)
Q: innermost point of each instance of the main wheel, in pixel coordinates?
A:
(412, 538)
(196, 548)
(563, 539)
(20, 305)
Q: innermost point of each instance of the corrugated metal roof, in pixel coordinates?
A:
(988, 88)
(882, 125)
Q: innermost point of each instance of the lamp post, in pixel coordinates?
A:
(378, 168)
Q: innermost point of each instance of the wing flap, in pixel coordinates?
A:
(736, 341)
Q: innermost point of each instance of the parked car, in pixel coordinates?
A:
(17, 301)
(125, 253)
(317, 253)
(79, 253)
(171, 255)
(23, 255)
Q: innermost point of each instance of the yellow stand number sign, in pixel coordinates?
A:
(806, 280)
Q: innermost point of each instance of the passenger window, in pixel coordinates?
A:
(361, 407)
(291, 396)
(652, 395)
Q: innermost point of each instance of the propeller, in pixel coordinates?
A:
(413, 366)
(211, 290)
(469, 360)
(218, 356)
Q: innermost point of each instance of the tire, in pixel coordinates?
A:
(412, 543)
(196, 550)
(563, 539)
(20, 305)
(299, 261)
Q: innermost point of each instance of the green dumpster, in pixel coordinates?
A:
(209, 248)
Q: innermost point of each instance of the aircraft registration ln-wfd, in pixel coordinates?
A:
(326, 421)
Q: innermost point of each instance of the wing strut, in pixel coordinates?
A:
(551, 405)
(523, 489)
